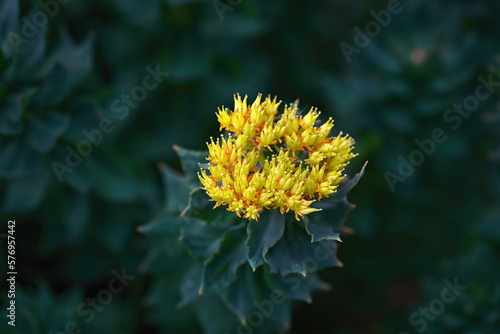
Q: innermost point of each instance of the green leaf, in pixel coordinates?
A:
(319, 233)
(29, 56)
(294, 253)
(215, 317)
(163, 311)
(220, 269)
(164, 231)
(200, 206)
(44, 130)
(262, 235)
(9, 127)
(202, 240)
(334, 209)
(249, 288)
(9, 16)
(18, 159)
(176, 190)
(190, 161)
(53, 87)
(25, 194)
(191, 282)
(76, 59)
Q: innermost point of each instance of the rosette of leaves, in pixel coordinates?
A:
(243, 273)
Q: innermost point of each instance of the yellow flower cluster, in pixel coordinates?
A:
(273, 161)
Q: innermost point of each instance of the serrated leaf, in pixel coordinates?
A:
(202, 240)
(176, 190)
(294, 253)
(319, 233)
(262, 235)
(164, 231)
(200, 206)
(76, 59)
(242, 295)
(220, 269)
(159, 262)
(334, 209)
(190, 161)
(190, 286)
(294, 286)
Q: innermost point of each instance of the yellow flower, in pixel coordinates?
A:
(269, 160)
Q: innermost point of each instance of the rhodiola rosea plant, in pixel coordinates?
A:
(251, 221)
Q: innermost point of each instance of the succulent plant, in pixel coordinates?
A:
(251, 268)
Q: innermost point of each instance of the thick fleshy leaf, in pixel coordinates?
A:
(176, 190)
(262, 235)
(294, 253)
(164, 231)
(190, 286)
(294, 286)
(241, 294)
(334, 209)
(190, 161)
(202, 240)
(319, 233)
(247, 291)
(220, 269)
(200, 206)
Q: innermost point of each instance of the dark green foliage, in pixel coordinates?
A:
(113, 211)
(243, 264)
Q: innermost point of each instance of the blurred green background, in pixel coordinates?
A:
(82, 69)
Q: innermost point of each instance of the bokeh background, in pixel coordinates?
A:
(442, 223)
